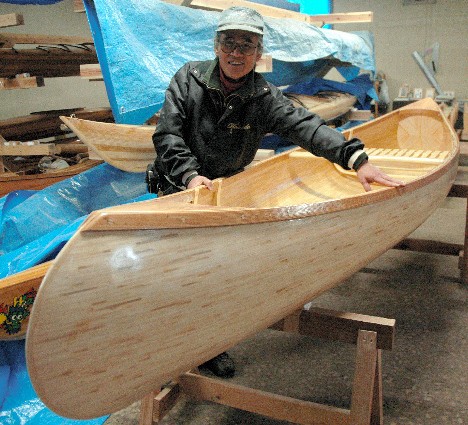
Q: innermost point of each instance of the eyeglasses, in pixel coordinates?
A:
(228, 46)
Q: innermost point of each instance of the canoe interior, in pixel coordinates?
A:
(407, 145)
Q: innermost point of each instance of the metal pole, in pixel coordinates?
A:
(419, 60)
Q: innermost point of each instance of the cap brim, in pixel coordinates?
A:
(247, 28)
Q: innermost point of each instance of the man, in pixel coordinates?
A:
(216, 113)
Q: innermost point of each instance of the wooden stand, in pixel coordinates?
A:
(370, 334)
(458, 190)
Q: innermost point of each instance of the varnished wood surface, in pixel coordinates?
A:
(145, 292)
(124, 146)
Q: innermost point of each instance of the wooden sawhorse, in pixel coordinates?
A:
(459, 190)
(370, 334)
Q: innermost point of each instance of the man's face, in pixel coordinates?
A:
(241, 60)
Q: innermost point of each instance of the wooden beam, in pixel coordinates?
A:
(11, 20)
(91, 72)
(275, 12)
(21, 82)
(78, 6)
(27, 149)
(8, 39)
(261, 402)
(464, 135)
(343, 18)
(360, 115)
(343, 326)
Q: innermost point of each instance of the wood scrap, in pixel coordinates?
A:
(11, 20)
(23, 81)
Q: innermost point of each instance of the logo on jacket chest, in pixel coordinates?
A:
(233, 126)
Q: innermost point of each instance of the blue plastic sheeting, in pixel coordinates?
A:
(142, 43)
(36, 224)
(19, 403)
(38, 2)
(362, 87)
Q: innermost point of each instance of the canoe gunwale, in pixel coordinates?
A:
(190, 216)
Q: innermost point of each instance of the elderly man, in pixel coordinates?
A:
(216, 113)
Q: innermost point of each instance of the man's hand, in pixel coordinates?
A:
(200, 181)
(368, 173)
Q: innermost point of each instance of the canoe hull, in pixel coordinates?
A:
(199, 311)
(146, 291)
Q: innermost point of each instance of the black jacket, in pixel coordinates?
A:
(201, 129)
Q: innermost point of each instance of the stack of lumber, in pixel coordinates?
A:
(51, 56)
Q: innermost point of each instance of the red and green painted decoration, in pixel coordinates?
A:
(12, 316)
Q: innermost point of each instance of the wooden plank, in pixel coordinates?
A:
(93, 72)
(21, 83)
(267, 404)
(364, 378)
(273, 12)
(464, 135)
(78, 6)
(360, 115)
(165, 400)
(11, 20)
(26, 149)
(342, 326)
(8, 39)
(343, 18)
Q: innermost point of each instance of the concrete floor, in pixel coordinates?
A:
(425, 376)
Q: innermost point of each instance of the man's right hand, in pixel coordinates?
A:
(200, 181)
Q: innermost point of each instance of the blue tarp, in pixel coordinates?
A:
(142, 43)
(33, 228)
(19, 403)
(36, 224)
(362, 87)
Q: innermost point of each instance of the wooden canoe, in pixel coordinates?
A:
(146, 291)
(130, 147)
(13, 181)
(17, 294)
